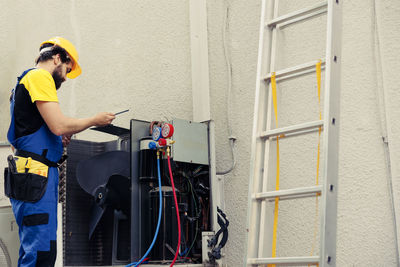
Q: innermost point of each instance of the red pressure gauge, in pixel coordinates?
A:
(167, 130)
(162, 142)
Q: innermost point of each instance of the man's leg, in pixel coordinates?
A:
(38, 228)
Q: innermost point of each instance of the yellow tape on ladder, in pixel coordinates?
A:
(274, 98)
(318, 72)
(275, 227)
(276, 208)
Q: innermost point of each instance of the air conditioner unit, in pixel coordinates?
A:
(9, 242)
(112, 193)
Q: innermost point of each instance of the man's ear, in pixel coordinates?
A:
(57, 59)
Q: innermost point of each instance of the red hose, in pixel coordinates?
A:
(177, 213)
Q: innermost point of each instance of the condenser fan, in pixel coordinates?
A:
(106, 178)
(5, 259)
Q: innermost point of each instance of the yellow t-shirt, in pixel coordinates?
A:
(40, 85)
(36, 85)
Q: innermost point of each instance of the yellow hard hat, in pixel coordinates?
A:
(70, 48)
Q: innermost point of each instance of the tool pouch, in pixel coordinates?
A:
(23, 183)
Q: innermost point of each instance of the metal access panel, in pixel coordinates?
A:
(138, 129)
(191, 142)
(9, 242)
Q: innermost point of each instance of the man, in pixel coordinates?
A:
(38, 131)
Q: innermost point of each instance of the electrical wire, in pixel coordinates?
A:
(231, 138)
(159, 217)
(382, 100)
(177, 209)
(194, 239)
(197, 214)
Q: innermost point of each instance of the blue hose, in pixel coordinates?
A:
(159, 220)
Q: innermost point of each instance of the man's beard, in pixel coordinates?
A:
(57, 76)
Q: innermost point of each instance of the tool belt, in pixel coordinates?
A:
(26, 177)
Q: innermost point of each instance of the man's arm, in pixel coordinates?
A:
(62, 125)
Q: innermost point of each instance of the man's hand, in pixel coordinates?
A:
(66, 139)
(103, 118)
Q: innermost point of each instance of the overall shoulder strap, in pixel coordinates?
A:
(19, 78)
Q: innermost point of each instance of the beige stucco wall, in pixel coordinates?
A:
(136, 55)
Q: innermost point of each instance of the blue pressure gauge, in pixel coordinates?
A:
(156, 133)
(153, 145)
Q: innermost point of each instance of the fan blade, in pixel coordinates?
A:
(119, 193)
(96, 171)
(96, 214)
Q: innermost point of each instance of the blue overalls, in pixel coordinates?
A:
(37, 221)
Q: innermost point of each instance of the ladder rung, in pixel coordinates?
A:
(292, 193)
(296, 70)
(302, 18)
(292, 129)
(296, 14)
(285, 260)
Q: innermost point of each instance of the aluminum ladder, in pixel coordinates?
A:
(263, 134)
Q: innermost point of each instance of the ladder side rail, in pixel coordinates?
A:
(331, 135)
(253, 209)
(266, 222)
